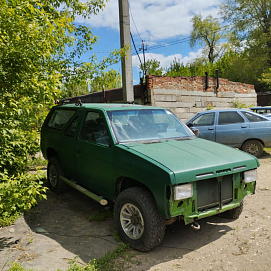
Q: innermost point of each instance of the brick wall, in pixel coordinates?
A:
(186, 96)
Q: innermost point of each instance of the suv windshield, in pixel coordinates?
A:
(146, 125)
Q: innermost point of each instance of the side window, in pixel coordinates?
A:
(60, 118)
(205, 120)
(94, 129)
(252, 117)
(71, 129)
(229, 117)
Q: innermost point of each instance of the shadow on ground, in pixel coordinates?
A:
(64, 219)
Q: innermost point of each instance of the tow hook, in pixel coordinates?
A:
(195, 225)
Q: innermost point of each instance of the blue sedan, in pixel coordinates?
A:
(263, 110)
(237, 128)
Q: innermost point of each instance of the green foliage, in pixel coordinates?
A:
(116, 260)
(250, 32)
(18, 194)
(107, 263)
(234, 66)
(207, 32)
(72, 89)
(18, 267)
(197, 68)
(266, 78)
(40, 49)
(236, 104)
(106, 80)
(152, 67)
(102, 216)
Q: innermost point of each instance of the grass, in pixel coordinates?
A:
(115, 260)
(102, 216)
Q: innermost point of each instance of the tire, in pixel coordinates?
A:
(137, 219)
(54, 171)
(234, 213)
(254, 147)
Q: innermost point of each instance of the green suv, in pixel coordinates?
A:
(146, 161)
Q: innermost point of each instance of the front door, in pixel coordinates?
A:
(206, 125)
(94, 154)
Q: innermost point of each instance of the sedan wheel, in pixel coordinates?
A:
(254, 147)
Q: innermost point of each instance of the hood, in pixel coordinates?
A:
(195, 159)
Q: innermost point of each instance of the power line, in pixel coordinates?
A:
(134, 23)
(135, 48)
(179, 41)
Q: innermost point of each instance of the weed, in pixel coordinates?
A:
(237, 104)
(115, 260)
(116, 236)
(102, 216)
(18, 267)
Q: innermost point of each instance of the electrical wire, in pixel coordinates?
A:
(136, 49)
(134, 22)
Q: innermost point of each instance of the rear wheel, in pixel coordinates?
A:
(137, 219)
(254, 147)
(54, 171)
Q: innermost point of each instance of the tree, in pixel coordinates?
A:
(152, 67)
(251, 31)
(40, 45)
(106, 80)
(74, 88)
(207, 32)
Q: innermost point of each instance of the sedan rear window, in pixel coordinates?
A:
(253, 117)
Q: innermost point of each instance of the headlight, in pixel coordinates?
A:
(250, 176)
(183, 191)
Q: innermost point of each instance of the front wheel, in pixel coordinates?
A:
(137, 219)
(234, 213)
(254, 147)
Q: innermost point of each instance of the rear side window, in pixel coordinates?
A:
(253, 118)
(60, 118)
(229, 117)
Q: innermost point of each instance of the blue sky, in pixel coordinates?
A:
(164, 24)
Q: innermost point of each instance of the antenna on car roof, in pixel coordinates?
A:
(78, 103)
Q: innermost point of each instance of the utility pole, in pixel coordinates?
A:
(126, 62)
(144, 49)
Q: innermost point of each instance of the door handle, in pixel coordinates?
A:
(243, 126)
(211, 128)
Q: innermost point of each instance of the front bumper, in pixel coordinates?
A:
(188, 211)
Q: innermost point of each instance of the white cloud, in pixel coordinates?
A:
(166, 60)
(155, 19)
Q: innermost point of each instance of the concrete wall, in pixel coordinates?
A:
(186, 96)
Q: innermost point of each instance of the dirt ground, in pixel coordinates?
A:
(58, 230)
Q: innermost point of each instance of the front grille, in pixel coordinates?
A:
(214, 192)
